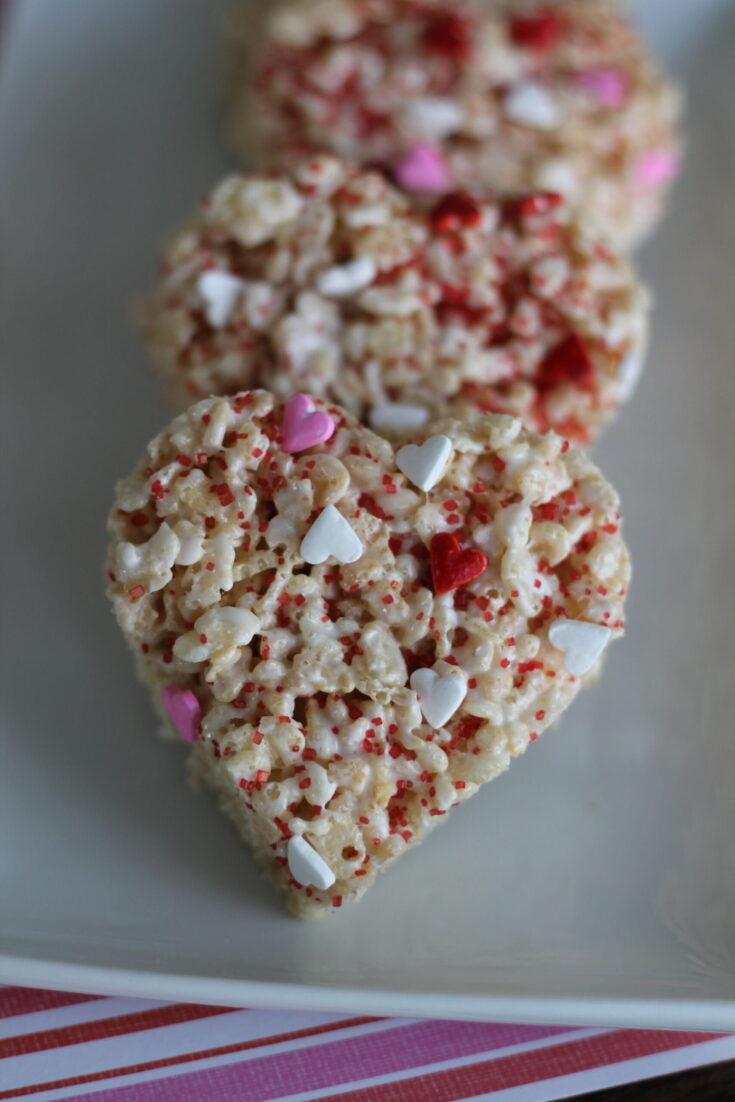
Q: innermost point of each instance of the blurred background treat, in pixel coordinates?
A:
(518, 95)
(327, 279)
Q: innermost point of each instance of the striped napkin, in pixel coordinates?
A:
(59, 1045)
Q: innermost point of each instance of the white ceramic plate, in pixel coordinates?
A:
(592, 884)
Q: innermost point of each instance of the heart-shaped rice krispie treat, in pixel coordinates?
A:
(354, 639)
(515, 95)
(330, 281)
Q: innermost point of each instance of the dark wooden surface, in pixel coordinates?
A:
(715, 1083)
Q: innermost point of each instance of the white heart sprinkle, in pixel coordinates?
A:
(425, 463)
(306, 866)
(630, 372)
(397, 417)
(347, 279)
(580, 642)
(431, 116)
(529, 104)
(331, 536)
(220, 292)
(439, 697)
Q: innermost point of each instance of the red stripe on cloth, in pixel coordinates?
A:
(151, 1065)
(26, 1000)
(526, 1067)
(107, 1027)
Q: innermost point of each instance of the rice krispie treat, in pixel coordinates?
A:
(328, 280)
(353, 639)
(516, 95)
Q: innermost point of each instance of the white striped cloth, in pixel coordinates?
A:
(56, 1045)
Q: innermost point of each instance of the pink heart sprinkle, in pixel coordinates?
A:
(183, 711)
(303, 426)
(424, 169)
(656, 167)
(609, 86)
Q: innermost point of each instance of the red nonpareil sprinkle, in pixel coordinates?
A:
(456, 211)
(529, 667)
(539, 31)
(541, 202)
(450, 35)
(305, 783)
(336, 900)
(451, 566)
(567, 362)
(223, 492)
(282, 827)
(308, 753)
(467, 727)
(368, 502)
(498, 463)
(462, 601)
(136, 592)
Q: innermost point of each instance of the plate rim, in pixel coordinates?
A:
(715, 1015)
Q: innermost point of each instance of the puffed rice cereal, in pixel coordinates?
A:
(515, 95)
(328, 280)
(350, 655)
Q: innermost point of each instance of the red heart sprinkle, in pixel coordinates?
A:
(450, 565)
(567, 362)
(456, 211)
(536, 32)
(449, 35)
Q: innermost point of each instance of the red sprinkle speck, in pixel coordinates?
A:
(456, 211)
(540, 31)
(567, 362)
(449, 34)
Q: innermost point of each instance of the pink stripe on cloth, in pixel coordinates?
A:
(325, 1066)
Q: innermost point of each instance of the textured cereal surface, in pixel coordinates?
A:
(369, 79)
(309, 725)
(345, 288)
